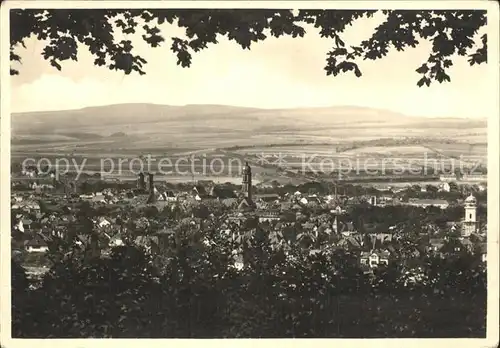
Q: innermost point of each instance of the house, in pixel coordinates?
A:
(435, 245)
(468, 245)
(350, 243)
(246, 204)
(19, 226)
(236, 218)
(382, 237)
(238, 260)
(337, 210)
(103, 222)
(168, 196)
(303, 200)
(267, 197)
(445, 187)
(36, 245)
(199, 192)
(150, 243)
(17, 198)
(314, 199)
(115, 241)
(375, 259)
(345, 228)
(269, 215)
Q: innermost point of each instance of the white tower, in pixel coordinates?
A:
(470, 219)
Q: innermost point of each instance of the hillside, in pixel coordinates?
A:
(105, 117)
(149, 127)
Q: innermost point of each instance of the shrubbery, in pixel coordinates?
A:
(191, 291)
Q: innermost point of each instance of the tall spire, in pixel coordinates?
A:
(152, 195)
(141, 182)
(247, 181)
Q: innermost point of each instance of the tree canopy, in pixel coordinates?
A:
(190, 289)
(451, 32)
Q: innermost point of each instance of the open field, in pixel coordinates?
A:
(219, 139)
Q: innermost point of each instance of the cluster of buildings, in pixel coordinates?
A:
(278, 212)
(466, 177)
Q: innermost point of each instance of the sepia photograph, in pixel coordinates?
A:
(246, 171)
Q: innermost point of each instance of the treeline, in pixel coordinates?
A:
(283, 291)
(413, 216)
(340, 147)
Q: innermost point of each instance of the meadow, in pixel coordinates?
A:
(221, 138)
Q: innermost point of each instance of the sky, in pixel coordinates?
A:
(276, 73)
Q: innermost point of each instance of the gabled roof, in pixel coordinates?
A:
(246, 204)
(229, 201)
(267, 197)
(200, 190)
(145, 240)
(353, 241)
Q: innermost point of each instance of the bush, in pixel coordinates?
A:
(283, 291)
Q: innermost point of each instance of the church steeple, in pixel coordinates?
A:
(470, 223)
(247, 181)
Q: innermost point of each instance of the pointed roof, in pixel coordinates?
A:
(471, 199)
(151, 198)
(246, 204)
(246, 168)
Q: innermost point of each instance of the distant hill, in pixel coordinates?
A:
(220, 115)
(151, 127)
(120, 114)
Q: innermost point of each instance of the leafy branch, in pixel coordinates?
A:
(451, 32)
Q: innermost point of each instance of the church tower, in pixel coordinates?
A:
(470, 223)
(247, 181)
(152, 192)
(141, 182)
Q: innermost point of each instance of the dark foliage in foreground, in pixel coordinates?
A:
(282, 292)
(451, 32)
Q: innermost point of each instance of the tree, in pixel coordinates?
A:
(284, 290)
(95, 29)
